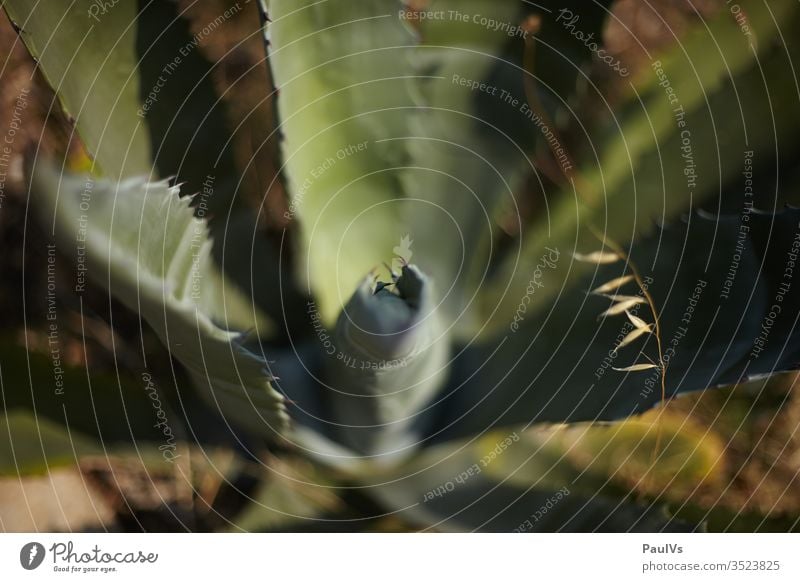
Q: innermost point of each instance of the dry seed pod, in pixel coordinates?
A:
(633, 336)
(597, 257)
(620, 298)
(613, 285)
(638, 322)
(636, 368)
(622, 307)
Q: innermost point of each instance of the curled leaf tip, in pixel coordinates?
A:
(381, 318)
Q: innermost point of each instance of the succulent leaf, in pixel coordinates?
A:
(718, 324)
(143, 243)
(391, 361)
(69, 42)
(454, 491)
(654, 159)
(73, 414)
(383, 138)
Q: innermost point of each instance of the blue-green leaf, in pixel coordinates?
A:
(143, 243)
(727, 314)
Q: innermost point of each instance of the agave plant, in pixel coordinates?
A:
(482, 271)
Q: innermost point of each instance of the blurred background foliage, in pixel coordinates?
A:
(728, 458)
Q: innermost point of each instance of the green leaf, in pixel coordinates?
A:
(666, 457)
(452, 489)
(293, 494)
(714, 281)
(632, 172)
(133, 78)
(33, 445)
(340, 68)
(90, 60)
(142, 242)
(384, 142)
(464, 168)
(661, 454)
(563, 478)
(56, 413)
